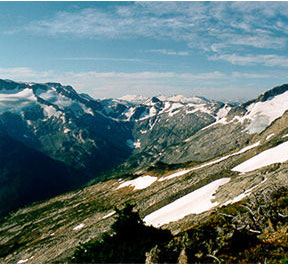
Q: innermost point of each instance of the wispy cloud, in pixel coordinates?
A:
(23, 73)
(168, 52)
(201, 24)
(99, 59)
(269, 60)
(114, 84)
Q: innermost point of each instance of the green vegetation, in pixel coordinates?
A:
(127, 242)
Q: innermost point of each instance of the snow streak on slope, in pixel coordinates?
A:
(24, 260)
(176, 174)
(269, 136)
(108, 215)
(265, 158)
(179, 173)
(195, 202)
(78, 227)
(230, 155)
(139, 183)
(244, 194)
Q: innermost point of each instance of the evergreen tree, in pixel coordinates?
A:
(127, 242)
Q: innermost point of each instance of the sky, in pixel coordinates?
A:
(219, 50)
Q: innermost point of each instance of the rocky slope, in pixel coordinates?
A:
(27, 175)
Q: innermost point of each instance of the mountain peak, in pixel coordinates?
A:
(183, 99)
(133, 98)
(273, 92)
(174, 98)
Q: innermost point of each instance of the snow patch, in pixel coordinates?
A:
(172, 109)
(108, 215)
(50, 111)
(24, 260)
(183, 99)
(15, 102)
(176, 174)
(243, 195)
(87, 110)
(222, 121)
(129, 112)
(199, 108)
(139, 183)
(262, 114)
(226, 157)
(180, 173)
(195, 202)
(265, 158)
(174, 113)
(222, 113)
(78, 227)
(145, 115)
(133, 98)
(66, 130)
(137, 144)
(131, 144)
(166, 107)
(269, 136)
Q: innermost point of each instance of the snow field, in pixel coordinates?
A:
(139, 183)
(78, 227)
(195, 202)
(265, 158)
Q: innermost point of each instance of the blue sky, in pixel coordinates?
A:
(220, 50)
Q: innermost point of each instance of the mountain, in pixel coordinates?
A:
(99, 138)
(28, 175)
(183, 164)
(54, 119)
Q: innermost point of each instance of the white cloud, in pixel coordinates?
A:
(115, 84)
(246, 75)
(202, 24)
(168, 52)
(270, 60)
(100, 59)
(22, 73)
(257, 40)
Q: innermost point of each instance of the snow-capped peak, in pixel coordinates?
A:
(175, 98)
(183, 99)
(133, 98)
